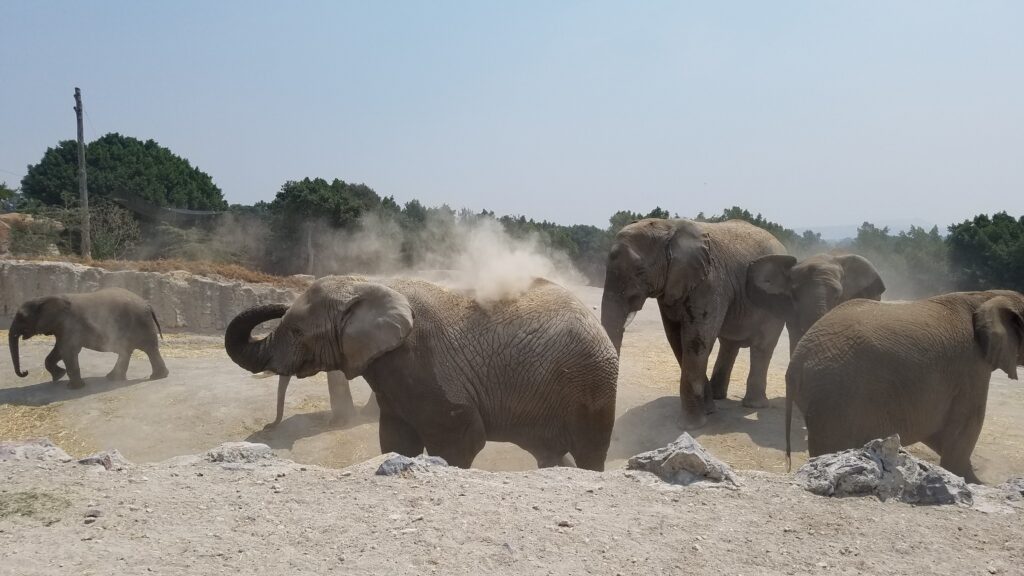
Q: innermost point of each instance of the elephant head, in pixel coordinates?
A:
(999, 331)
(651, 258)
(802, 292)
(339, 323)
(37, 316)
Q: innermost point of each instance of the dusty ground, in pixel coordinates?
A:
(208, 400)
(276, 517)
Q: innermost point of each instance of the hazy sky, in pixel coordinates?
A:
(814, 113)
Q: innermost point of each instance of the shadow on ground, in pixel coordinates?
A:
(48, 392)
(299, 426)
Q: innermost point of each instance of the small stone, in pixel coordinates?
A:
(90, 520)
(684, 461)
(565, 524)
(346, 473)
(93, 513)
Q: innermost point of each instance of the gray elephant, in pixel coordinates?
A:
(697, 271)
(448, 373)
(919, 369)
(802, 292)
(107, 320)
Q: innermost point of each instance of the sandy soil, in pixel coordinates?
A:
(208, 400)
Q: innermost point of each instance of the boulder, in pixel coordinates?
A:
(684, 462)
(882, 469)
(398, 465)
(34, 449)
(1014, 487)
(109, 459)
(239, 453)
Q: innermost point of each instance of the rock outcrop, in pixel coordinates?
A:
(883, 469)
(398, 465)
(180, 299)
(684, 461)
(33, 449)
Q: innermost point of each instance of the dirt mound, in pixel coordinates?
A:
(266, 515)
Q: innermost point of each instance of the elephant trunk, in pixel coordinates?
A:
(282, 388)
(614, 313)
(253, 355)
(12, 340)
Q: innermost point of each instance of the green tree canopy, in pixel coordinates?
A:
(122, 167)
(341, 204)
(988, 252)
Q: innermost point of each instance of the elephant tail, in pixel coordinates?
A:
(790, 393)
(157, 322)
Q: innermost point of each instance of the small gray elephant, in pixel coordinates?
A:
(697, 271)
(107, 320)
(802, 292)
(919, 369)
(448, 373)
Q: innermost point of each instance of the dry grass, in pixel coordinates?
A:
(216, 270)
(24, 422)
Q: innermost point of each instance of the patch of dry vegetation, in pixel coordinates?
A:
(19, 422)
(215, 270)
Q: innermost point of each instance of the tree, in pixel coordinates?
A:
(988, 252)
(122, 167)
(912, 264)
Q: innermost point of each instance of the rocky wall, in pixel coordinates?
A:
(181, 300)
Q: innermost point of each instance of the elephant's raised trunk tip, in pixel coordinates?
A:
(249, 354)
(12, 341)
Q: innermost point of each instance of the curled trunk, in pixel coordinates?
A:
(253, 355)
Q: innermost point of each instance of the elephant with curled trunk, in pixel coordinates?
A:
(697, 271)
(919, 369)
(107, 320)
(802, 292)
(448, 373)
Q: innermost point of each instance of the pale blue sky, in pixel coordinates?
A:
(814, 113)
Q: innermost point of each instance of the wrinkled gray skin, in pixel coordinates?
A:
(802, 292)
(449, 374)
(697, 271)
(919, 369)
(107, 320)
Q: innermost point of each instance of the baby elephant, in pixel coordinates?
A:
(108, 320)
(919, 369)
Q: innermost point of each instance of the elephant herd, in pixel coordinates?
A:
(540, 370)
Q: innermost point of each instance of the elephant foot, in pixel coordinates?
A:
(159, 374)
(691, 420)
(343, 418)
(58, 374)
(756, 402)
(76, 384)
(709, 405)
(116, 377)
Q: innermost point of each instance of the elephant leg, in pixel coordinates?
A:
(727, 351)
(70, 356)
(757, 379)
(342, 409)
(591, 435)
(120, 370)
(397, 435)
(549, 458)
(156, 362)
(672, 330)
(459, 439)
(56, 372)
(955, 443)
(372, 408)
(694, 387)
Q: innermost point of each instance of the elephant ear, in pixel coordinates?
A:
(999, 330)
(377, 321)
(769, 284)
(689, 259)
(50, 313)
(860, 279)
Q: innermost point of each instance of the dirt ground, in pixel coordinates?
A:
(189, 516)
(208, 400)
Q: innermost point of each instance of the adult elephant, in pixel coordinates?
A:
(697, 271)
(450, 374)
(919, 369)
(802, 292)
(107, 320)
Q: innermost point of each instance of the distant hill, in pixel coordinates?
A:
(847, 231)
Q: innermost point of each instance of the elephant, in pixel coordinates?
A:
(919, 369)
(343, 409)
(697, 271)
(107, 320)
(449, 373)
(802, 292)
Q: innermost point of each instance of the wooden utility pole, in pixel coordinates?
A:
(83, 189)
